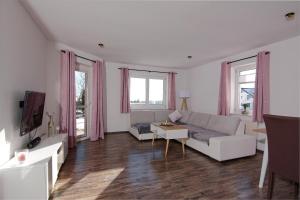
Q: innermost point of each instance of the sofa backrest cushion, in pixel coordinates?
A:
(223, 124)
(162, 115)
(185, 116)
(199, 119)
(142, 117)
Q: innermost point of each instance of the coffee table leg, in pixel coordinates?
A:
(167, 147)
(153, 138)
(183, 143)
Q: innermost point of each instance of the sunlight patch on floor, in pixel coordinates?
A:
(95, 182)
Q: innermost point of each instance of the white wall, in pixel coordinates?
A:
(22, 67)
(117, 121)
(284, 79)
(52, 83)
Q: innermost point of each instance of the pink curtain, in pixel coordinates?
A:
(125, 106)
(171, 91)
(262, 86)
(67, 97)
(97, 103)
(224, 90)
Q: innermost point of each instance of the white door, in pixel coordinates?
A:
(83, 94)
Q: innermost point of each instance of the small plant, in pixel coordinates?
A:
(245, 106)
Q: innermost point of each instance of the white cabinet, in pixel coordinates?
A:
(35, 178)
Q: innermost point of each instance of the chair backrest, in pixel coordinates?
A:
(283, 141)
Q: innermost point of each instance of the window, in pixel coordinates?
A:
(244, 88)
(148, 90)
(156, 91)
(137, 90)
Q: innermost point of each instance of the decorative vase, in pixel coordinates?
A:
(245, 112)
(245, 106)
(51, 130)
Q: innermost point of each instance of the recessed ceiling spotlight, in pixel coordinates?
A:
(101, 45)
(290, 16)
(189, 57)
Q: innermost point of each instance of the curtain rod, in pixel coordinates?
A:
(80, 56)
(142, 70)
(245, 58)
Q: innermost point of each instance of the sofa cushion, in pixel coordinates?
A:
(185, 116)
(193, 129)
(223, 124)
(141, 117)
(142, 127)
(199, 119)
(205, 135)
(174, 116)
(161, 115)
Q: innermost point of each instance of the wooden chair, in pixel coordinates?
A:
(283, 141)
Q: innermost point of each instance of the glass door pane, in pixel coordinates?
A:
(81, 103)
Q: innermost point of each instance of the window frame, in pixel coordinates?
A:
(83, 67)
(148, 76)
(236, 72)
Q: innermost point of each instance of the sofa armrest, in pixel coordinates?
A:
(230, 147)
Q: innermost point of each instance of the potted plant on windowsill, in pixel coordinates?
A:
(245, 106)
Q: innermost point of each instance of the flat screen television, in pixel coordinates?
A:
(33, 109)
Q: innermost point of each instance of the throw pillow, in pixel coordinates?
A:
(174, 116)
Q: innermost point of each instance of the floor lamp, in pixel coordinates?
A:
(184, 95)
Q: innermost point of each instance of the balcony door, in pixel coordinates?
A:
(82, 84)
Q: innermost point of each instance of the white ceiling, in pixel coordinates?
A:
(164, 33)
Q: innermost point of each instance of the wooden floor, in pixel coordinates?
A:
(121, 167)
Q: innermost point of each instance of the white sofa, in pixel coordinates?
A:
(146, 116)
(235, 144)
(219, 137)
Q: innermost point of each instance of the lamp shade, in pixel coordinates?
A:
(184, 94)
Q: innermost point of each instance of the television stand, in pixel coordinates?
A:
(35, 178)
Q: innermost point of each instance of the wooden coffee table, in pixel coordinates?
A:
(170, 132)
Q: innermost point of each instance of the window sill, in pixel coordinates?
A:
(249, 115)
(148, 107)
(141, 109)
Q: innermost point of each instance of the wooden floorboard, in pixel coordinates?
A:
(121, 167)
